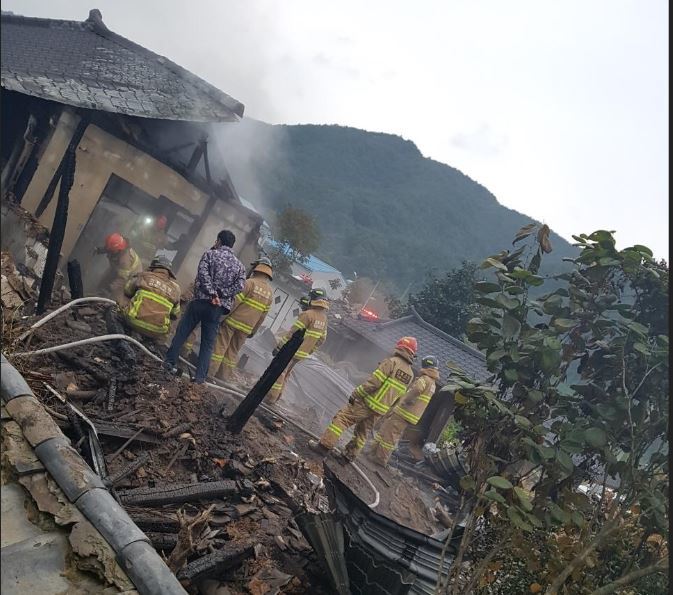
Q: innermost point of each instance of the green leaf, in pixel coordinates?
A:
(514, 290)
(519, 273)
(467, 483)
(486, 287)
(496, 355)
(487, 301)
(534, 396)
(602, 235)
(535, 280)
(565, 461)
(643, 249)
(558, 514)
(517, 519)
(507, 302)
(523, 498)
(511, 374)
(510, 326)
(495, 496)
(492, 262)
(596, 437)
(522, 421)
(608, 261)
(547, 452)
(642, 348)
(636, 327)
(497, 481)
(563, 324)
(533, 520)
(577, 518)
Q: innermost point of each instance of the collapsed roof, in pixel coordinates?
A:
(85, 65)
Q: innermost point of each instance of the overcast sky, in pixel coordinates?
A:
(560, 108)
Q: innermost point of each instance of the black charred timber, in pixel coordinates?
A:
(75, 279)
(179, 492)
(57, 232)
(156, 524)
(213, 565)
(247, 407)
(123, 473)
(115, 327)
(111, 393)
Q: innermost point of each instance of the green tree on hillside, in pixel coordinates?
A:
(298, 231)
(446, 302)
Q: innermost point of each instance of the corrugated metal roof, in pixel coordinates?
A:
(86, 65)
(431, 340)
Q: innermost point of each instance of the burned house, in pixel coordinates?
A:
(138, 126)
(365, 343)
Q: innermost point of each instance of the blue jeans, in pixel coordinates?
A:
(198, 312)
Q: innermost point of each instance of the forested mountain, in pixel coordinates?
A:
(383, 209)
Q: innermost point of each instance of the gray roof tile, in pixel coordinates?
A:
(431, 341)
(84, 64)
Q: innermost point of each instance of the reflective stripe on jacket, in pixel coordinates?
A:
(251, 306)
(387, 384)
(412, 405)
(314, 322)
(155, 299)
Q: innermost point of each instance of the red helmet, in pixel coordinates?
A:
(408, 343)
(161, 222)
(115, 242)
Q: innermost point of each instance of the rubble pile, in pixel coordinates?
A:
(219, 506)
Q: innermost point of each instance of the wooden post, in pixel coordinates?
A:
(247, 407)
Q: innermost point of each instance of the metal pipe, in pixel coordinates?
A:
(63, 308)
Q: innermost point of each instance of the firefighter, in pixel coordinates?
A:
(314, 321)
(247, 314)
(124, 262)
(370, 400)
(407, 412)
(150, 236)
(155, 299)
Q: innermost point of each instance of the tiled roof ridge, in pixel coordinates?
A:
(416, 317)
(95, 24)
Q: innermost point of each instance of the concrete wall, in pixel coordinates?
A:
(99, 155)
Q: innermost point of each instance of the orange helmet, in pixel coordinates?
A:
(115, 242)
(161, 222)
(408, 343)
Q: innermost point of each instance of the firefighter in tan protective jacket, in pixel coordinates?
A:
(247, 314)
(408, 411)
(314, 321)
(154, 300)
(370, 400)
(124, 262)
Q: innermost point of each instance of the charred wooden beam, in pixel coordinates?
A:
(215, 564)
(179, 492)
(57, 232)
(75, 279)
(247, 407)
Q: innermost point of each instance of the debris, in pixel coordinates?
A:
(268, 581)
(136, 465)
(123, 446)
(178, 453)
(179, 429)
(280, 542)
(111, 393)
(191, 537)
